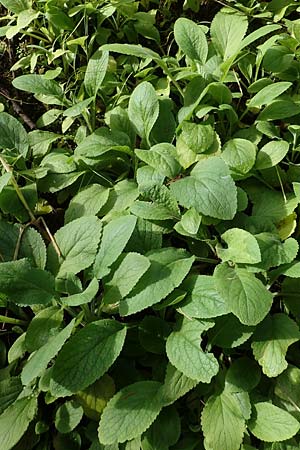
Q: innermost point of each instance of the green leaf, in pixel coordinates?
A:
(229, 332)
(191, 39)
(143, 109)
(134, 444)
(290, 444)
(198, 137)
(78, 243)
(78, 108)
(15, 6)
(10, 388)
(227, 31)
(96, 396)
(242, 376)
(15, 420)
(83, 297)
(87, 356)
(125, 277)
(152, 211)
(24, 18)
(271, 205)
(164, 204)
(162, 157)
(169, 266)
(116, 234)
(274, 252)
(184, 351)
(68, 416)
(26, 285)
(41, 358)
(268, 93)
(17, 350)
(272, 424)
(271, 340)
(95, 72)
(242, 247)
(44, 325)
(203, 300)
(130, 412)
(245, 295)
(279, 109)
(10, 202)
(13, 135)
(258, 33)
(4, 180)
(291, 270)
(153, 332)
(271, 154)
(121, 197)
(222, 422)
(132, 50)
(38, 84)
(87, 202)
(176, 385)
(296, 187)
(189, 223)
(287, 387)
(100, 142)
(165, 431)
(209, 189)
(239, 154)
(31, 245)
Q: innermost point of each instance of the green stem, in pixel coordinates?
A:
(165, 68)
(87, 121)
(19, 193)
(287, 295)
(207, 260)
(5, 319)
(243, 115)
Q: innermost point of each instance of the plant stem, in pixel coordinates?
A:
(165, 68)
(5, 319)
(207, 260)
(17, 189)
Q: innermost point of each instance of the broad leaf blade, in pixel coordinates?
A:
(176, 385)
(44, 325)
(26, 285)
(87, 356)
(95, 72)
(143, 109)
(271, 340)
(78, 243)
(130, 412)
(227, 32)
(184, 351)
(15, 420)
(116, 234)
(272, 424)
(203, 301)
(125, 277)
(242, 247)
(191, 39)
(169, 267)
(13, 135)
(223, 423)
(87, 202)
(40, 359)
(209, 189)
(244, 294)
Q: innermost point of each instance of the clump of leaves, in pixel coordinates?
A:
(149, 228)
